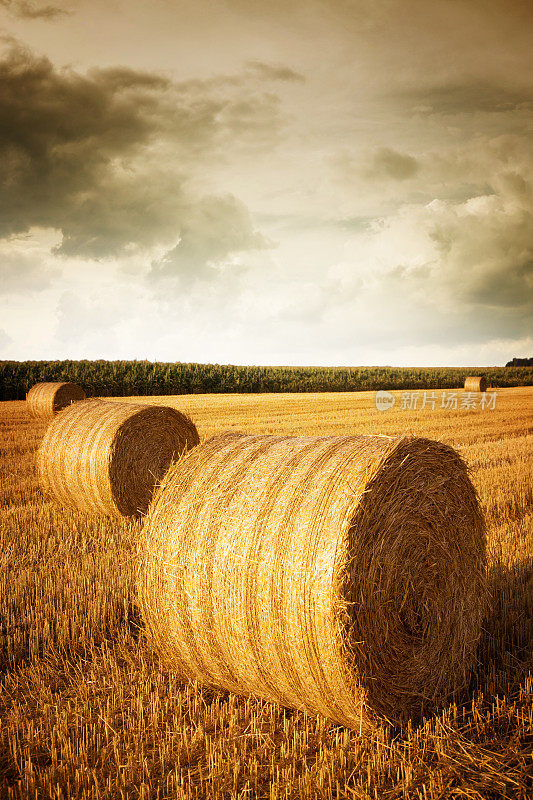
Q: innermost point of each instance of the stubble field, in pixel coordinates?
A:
(87, 711)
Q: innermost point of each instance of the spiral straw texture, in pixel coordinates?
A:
(344, 576)
(46, 399)
(106, 457)
(476, 384)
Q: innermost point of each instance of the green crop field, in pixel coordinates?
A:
(126, 378)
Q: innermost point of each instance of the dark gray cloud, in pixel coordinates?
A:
(217, 228)
(65, 144)
(381, 171)
(467, 97)
(469, 271)
(32, 10)
(276, 72)
(511, 288)
(106, 157)
(388, 163)
(396, 177)
(486, 258)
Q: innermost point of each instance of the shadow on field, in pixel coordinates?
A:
(21, 644)
(506, 645)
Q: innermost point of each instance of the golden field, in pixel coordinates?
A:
(87, 711)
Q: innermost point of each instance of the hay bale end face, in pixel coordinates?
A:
(344, 576)
(46, 399)
(106, 457)
(476, 384)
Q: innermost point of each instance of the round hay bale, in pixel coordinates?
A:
(46, 399)
(476, 384)
(344, 576)
(106, 457)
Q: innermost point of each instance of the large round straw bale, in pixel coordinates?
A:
(106, 457)
(344, 576)
(476, 384)
(46, 399)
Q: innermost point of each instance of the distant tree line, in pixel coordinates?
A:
(520, 362)
(126, 378)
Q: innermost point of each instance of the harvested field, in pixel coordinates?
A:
(89, 711)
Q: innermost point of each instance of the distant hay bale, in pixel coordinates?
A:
(106, 457)
(46, 399)
(476, 384)
(344, 576)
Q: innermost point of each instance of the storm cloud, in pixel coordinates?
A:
(388, 163)
(107, 157)
(467, 97)
(216, 228)
(324, 182)
(32, 10)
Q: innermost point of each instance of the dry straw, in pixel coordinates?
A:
(344, 576)
(46, 399)
(476, 384)
(106, 457)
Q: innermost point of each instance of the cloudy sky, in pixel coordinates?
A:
(282, 182)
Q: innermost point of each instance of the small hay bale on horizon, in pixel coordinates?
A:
(476, 384)
(343, 576)
(46, 399)
(107, 457)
